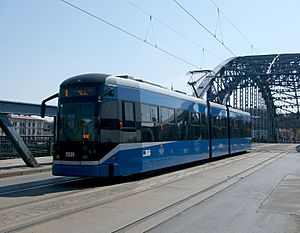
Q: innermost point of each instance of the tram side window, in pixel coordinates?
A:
(223, 124)
(149, 113)
(203, 119)
(167, 115)
(219, 127)
(168, 128)
(195, 118)
(243, 129)
(109, 116)
(149, 120)
(145, 111)
(172, 116)
(204, 126)
(128, 114)
(182, 124)
(248, 131)
(182, 117)
(233, 127)
(214, 127)
(195, 129)
(164, 115)
(153, 114)
(238, 128)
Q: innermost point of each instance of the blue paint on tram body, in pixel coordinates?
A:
(115, 126)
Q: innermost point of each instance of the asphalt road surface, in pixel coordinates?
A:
(253, 192)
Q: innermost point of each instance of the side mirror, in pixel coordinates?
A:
(43, 109)
(43, 105)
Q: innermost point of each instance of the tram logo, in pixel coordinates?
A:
(161, 149)
(146, 153)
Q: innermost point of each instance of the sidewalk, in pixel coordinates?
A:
(16, 167)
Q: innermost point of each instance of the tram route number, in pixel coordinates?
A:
(70, 154)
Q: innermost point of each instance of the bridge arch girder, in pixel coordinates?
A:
(270, 83)
(222, 96)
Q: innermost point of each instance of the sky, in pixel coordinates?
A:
(45, 42)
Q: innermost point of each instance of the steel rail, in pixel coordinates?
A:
(93, 204)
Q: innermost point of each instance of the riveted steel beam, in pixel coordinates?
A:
(8, 107)
(265, 85)
(16, 140)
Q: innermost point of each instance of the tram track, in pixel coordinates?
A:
(37, 187)
(48, 185)
(194, 199)
(117, 192)
(41, 186)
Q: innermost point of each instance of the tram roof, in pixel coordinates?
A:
(129, 81)
(85, 78)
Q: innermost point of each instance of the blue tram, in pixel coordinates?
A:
(117, 125)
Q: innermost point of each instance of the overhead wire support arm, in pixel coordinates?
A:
(153, 35)
(234, 26)
(218, 25)
(173, 30)
(150, 26)
(148, 30)
(205, 28)
(128, 33)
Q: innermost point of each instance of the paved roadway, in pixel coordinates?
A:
(266, 201)
(16, 167)
(254, 192)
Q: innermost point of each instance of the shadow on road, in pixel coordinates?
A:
(65, 184)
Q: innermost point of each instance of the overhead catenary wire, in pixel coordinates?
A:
(128, 33)
(205, 28)
(173, 30)
(234, 26)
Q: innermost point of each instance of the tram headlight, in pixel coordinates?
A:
(57, 156)
(85, 157)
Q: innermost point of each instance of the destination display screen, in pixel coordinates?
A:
(78, 91)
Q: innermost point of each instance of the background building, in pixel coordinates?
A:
(30, 126)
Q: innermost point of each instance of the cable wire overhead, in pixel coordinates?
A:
(128, 33)
(205, 28)
(173, 30)
(234, 26)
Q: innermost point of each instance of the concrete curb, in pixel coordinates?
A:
(23, 171)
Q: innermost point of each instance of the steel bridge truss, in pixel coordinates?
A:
(6, 108)
(267, 86)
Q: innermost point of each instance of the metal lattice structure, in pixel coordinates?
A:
(268, 86)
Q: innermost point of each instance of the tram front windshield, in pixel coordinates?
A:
(77, 122)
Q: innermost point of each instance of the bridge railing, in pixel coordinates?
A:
(38, 146)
